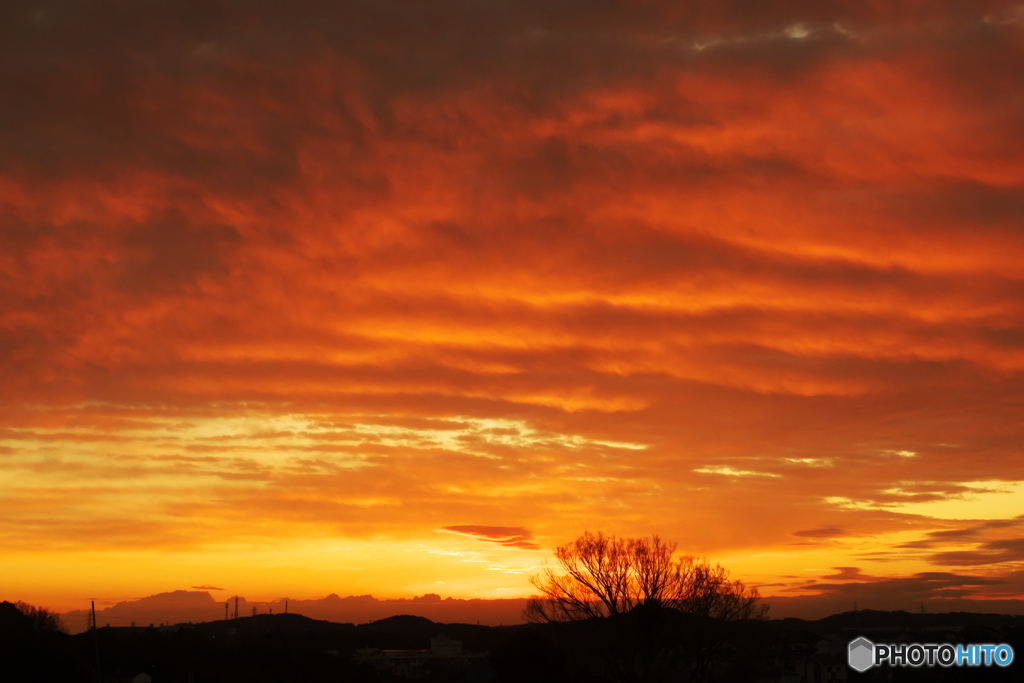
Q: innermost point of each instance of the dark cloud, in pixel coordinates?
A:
(991, 552)
(513, 537)
(925, 586)
(847, 574)
(933, 591)
(975, 534)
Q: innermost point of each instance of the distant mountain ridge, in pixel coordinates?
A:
(195, 606)
(183, 606)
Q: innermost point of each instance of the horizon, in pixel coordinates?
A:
(180, 607)
(366, 298)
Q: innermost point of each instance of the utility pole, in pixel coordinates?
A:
(254, 611)
(236, 607)
(286, 605)
(225, 611)
(95, 639)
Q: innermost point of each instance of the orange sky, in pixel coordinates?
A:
(394, 297)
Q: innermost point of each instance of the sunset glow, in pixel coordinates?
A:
(395, 297)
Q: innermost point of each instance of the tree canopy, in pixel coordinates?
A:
(643, 613)
(603, 576)
(41, 619)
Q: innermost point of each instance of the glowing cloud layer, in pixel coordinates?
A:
(285, 292)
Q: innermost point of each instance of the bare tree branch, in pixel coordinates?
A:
(638, 590)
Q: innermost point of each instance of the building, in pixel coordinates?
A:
(444, 653)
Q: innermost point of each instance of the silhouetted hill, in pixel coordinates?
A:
(398, 632)
(417, 632)
(402, 623)
(281, 648)
(267, 623)
(900, 619)
(199, 606)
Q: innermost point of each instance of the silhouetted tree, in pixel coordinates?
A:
(42, 620)
(645, 613)
(34, 647)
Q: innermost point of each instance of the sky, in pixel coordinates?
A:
(395, 297)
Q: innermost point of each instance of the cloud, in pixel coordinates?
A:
(933, 591)
(872, 591)
(991, 552)
(732, 472)
(356, 271)
(513, 537)
(820, 532)
(971, 534)
(207, 588)
(847, 574)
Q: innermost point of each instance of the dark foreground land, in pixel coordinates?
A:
(289, 647)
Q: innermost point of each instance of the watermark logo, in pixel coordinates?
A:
(863, 654)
